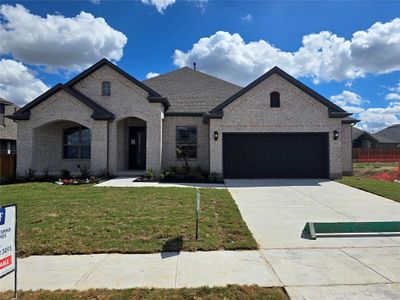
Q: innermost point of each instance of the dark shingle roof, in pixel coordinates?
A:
(391, 132)
(356, 133)
(191, 91)
(5, 102)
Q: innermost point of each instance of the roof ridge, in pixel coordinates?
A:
(167, 73)
(195, 71)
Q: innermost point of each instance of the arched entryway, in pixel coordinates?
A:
(131, 145)
(61, 145)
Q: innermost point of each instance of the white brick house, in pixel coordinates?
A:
(112, 123)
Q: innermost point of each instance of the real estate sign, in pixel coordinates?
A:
(8, 219)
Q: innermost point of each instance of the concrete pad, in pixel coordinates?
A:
(272, 197)
(319, 267)
(344, 292)
(336, 194)
(219, 268)
(53, 272)
(120, 271)
(385, 261)
(371, 213)
(128, 182)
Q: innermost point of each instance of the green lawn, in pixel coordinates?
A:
(56, 219)
(229, 292)
(386, 189)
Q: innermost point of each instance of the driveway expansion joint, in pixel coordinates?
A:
(390, 281)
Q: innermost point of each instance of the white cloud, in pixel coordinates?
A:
(57, 41)
(323, 56)
(375, 119)
(247, 18)
(395, 88)
(348, 84)
(19, 84)
(95, 1)
(199, 3)
(160, 5)
(349, 101)
(348, 97)
(151, 75)
(392, 96)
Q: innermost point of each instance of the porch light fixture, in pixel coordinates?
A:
(215, 135)
(335, 135)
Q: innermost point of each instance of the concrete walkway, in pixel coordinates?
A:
(129, 182)
(347, 267)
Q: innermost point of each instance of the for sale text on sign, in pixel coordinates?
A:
(8, 216)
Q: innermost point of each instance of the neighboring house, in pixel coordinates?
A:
(364, 139)
(392, 133)
(8, 128)
(276, 127)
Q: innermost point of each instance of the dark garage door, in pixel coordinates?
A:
(281, 155)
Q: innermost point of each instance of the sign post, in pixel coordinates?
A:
(197, 211)
(8, 237)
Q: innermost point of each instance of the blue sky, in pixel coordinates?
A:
(241, 40)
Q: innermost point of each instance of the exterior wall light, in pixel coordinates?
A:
(215, 135)
(335, 135)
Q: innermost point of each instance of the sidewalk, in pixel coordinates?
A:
(185, 269)
(162, 270)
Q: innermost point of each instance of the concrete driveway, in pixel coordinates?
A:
(330, 267)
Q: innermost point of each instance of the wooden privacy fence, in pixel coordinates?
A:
(376, 154)
(7, 165)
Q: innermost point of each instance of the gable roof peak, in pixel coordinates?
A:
(334, 110)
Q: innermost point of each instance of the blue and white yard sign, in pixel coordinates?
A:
(8, 216)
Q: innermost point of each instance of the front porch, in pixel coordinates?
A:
(131, 147)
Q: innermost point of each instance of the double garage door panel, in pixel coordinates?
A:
(262, 155)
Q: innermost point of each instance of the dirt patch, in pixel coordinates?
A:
(373, 169)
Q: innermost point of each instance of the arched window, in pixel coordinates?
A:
(275, 99)
(106, 88)
(76, 143)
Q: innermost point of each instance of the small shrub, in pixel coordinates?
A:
(151, 175)
(195, 174)
(85, 172)
(65, 174)
(30, 174)
(46, 175)
(214, 177)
